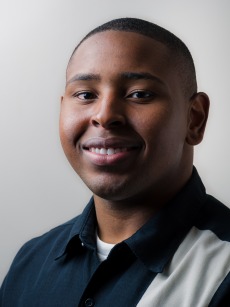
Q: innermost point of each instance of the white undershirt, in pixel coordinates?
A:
(103, 248)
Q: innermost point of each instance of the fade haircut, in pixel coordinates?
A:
(178, 50)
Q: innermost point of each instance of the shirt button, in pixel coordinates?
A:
(89, 302)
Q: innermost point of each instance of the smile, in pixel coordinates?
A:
(107, 151)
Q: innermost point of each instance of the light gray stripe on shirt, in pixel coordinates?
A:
(197, 269)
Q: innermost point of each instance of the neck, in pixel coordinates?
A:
(120, 219)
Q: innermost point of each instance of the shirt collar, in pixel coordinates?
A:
(156, 242)
(82, 232)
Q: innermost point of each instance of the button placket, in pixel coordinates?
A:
(89, 302)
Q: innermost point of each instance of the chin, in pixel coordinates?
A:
(113, 190)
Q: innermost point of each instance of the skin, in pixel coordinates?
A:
(119, 96)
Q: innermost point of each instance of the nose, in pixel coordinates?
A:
(109, 113)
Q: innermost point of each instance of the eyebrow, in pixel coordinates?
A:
(140, 75)
(124, 75)
(84, 77)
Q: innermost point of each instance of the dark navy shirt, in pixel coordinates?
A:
(181, 258)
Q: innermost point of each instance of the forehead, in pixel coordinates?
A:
(119, 51)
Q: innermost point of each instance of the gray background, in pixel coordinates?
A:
(38, 188)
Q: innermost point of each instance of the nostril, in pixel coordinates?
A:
(95, 123)
(116, 123)
(108, 123)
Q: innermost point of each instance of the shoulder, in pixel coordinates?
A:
(215, 216)
(44, 248)
(50, 242)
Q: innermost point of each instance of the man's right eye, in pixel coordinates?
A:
(84, 95)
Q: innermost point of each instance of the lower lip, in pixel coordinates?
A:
(106, 160)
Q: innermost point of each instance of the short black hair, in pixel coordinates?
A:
(179, 51)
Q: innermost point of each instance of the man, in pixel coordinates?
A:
(150, 236)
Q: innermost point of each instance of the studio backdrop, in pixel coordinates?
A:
(38, 187)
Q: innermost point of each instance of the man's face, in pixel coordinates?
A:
(123, 120)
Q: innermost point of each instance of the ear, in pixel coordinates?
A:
(197, 118)
(61, 100)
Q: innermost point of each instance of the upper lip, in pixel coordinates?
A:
(100, 142)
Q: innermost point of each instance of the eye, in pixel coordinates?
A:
(141, 95)
(85, 95)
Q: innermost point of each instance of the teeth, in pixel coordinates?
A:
(107, 151)
(103, 151)
(110, 151)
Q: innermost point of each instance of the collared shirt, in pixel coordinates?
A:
(180, 257)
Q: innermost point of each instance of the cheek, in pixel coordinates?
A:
(71, 126)
(163, 131)
(152, 123)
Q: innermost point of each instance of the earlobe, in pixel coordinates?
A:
(61, 100)
(197, 118)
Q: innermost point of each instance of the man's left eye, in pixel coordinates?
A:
(141, 95)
